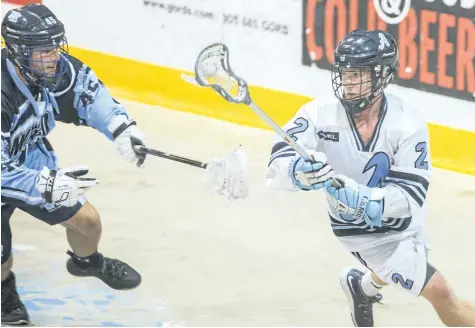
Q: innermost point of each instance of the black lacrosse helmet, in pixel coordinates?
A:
(364, 51)
(34, 28)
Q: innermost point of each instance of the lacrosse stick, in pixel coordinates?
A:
(228, 175)
(212, 69)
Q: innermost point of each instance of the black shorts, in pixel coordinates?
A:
(52, 216)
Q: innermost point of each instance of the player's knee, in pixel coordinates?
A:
(86, 222)
(438, 292)
(91, 223)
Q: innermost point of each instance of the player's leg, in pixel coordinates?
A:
(7, 258)
(402, 263)
(409, 268)
(83, 226)
(451, 310)
(8, 263)
(83, 231)
(362, 290)
(387, 263)
(13, 310)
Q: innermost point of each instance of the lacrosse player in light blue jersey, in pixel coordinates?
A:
(42, 84)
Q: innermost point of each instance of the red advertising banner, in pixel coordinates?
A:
(21, 2)
(436, 40)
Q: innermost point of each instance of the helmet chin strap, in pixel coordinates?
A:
(23, 88)
(373, 101)
(356, 114)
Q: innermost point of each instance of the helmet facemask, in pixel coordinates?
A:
(359, 87)
(41, 65)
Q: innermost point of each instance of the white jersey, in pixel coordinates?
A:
(397, 158)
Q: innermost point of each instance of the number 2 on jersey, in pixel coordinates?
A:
(421, 162)
(397, 278)
(301, 126)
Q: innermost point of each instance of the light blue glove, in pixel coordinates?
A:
(311, 175)
(357, 202)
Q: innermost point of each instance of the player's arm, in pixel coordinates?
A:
(18, 182)
(95, 107)
(22, 186)
(287, 170)
(407, 182)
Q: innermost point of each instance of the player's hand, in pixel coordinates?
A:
(356, 202)
(127, 135)
(311, 175)
(65, 186)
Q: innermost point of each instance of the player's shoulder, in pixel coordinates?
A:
(404, 116)
(320, 112)
(77, 64)
(80, 67)
(75, 73)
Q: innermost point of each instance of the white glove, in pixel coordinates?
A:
(65, 186)
(311, 175)
(126, 136)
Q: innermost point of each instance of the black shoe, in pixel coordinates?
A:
(361, 305)
(116, 274)
(13, 310)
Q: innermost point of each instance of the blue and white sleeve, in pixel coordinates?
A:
(302, 129)
(408, 180)
(94, 103)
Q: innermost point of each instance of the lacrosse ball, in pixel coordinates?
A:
(209, 70)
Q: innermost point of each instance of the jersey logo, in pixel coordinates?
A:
(14, 16)
(331, 136)
(381, 164)
(28, 132)
(383, 42)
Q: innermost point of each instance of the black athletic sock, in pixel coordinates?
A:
(93, 260)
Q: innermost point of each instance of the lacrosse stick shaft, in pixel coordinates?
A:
(279, 131)
(302, 152)
(184, 160)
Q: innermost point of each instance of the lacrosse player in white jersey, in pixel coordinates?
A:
(378, 148)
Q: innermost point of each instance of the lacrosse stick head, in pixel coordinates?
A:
(228, 175)
(212, 69)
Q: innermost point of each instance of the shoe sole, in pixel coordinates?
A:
(347, 291)
(22, 323)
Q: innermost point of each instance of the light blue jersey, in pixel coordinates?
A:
(29, 114)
